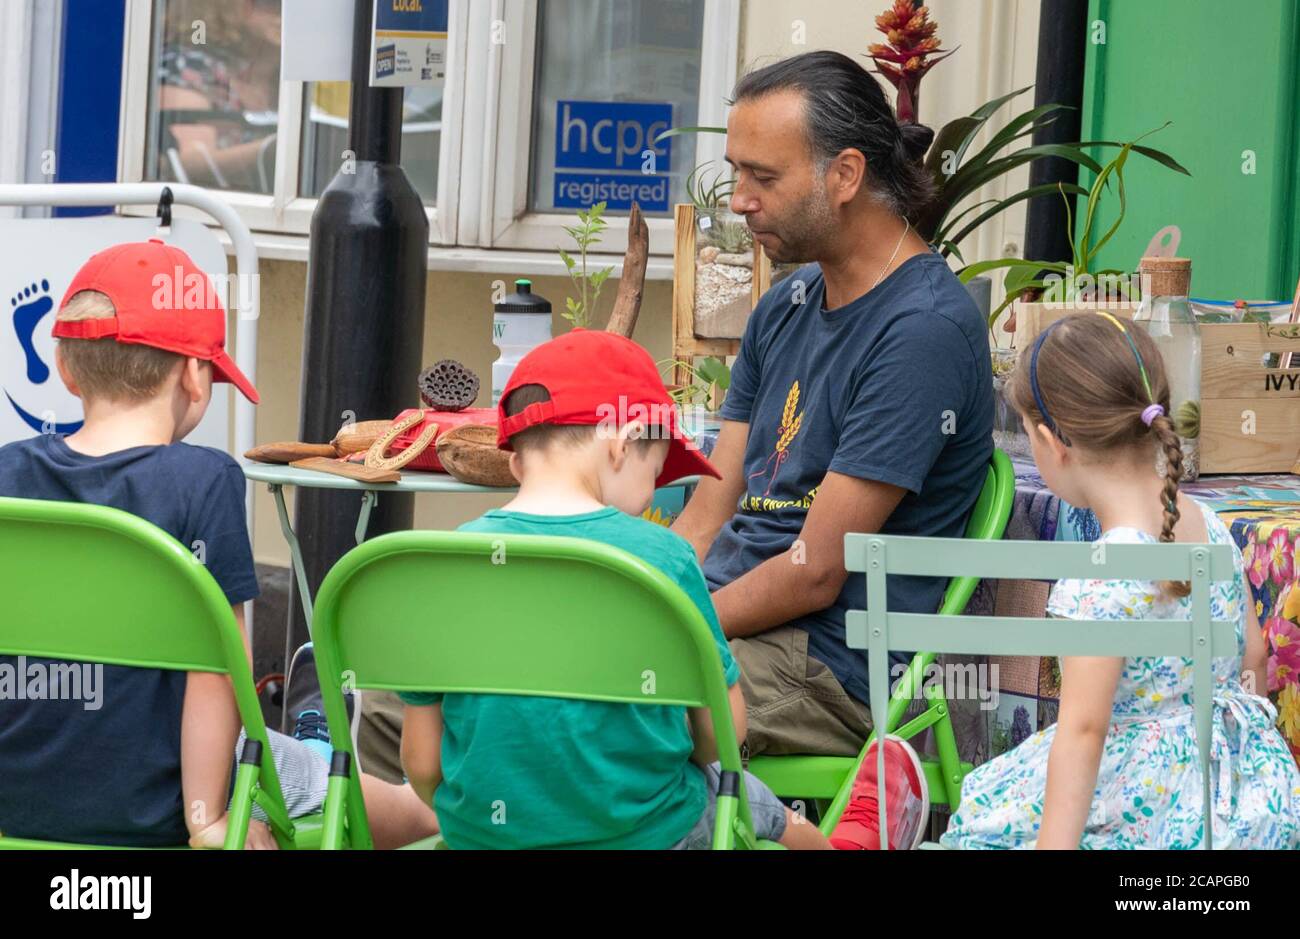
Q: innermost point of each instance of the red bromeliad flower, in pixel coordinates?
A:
(911, 51)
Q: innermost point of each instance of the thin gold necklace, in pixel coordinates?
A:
(907, 226)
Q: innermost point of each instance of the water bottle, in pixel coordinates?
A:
(522, 321)
(1167, 316)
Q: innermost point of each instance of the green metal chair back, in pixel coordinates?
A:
(90, 583)
(830, 778)
(1201, 638)
(478, 613)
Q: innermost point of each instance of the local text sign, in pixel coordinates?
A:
(606, 152)
(409, 46)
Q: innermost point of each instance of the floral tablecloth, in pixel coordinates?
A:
(1263, 514)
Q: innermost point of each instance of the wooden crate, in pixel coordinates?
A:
(687, 342)
(1250, 413)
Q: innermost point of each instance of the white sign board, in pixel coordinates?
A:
(408, 44)
(38, 258)
(316, 40)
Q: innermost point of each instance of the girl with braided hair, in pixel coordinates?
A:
(1120, 767)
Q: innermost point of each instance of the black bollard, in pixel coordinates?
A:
(1062, 37)
(364, 326)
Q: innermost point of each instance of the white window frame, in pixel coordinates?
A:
(485, 144)
(283, 211)
(503, 219)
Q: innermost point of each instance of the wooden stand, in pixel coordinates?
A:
(687, 345)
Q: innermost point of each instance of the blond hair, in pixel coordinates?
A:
(105, 368)
(1090, 381)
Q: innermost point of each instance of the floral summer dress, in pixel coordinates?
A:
(1148, 792)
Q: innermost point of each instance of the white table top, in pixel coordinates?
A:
(411, 481)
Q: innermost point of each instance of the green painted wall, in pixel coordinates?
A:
(1227, 74)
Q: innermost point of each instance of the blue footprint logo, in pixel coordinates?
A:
(31, 304)
(29, 307)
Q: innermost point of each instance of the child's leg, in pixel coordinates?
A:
(772, 820)
(397, 815)
(803, 835)
(303, 774)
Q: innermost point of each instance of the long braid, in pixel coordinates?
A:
(1166, 436)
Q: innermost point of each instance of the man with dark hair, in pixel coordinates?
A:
(861, 401)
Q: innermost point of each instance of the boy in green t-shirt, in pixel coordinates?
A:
(593, 432)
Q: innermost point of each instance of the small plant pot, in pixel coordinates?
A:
(724, 273)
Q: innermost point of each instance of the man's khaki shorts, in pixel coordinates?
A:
(794, 702)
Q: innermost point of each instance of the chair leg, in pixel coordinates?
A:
(945, 741)
(241, 802)
(333, 825)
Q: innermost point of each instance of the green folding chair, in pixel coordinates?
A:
(1200, 639)
(828, 780)
(477, 613)
(136, 597)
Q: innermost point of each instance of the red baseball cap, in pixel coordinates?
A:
(162, 313)
(594, 377)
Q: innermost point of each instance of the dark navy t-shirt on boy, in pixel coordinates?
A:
(895, 387)
(111, 774)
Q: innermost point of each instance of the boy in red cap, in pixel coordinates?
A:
(592, 433)
(141, 341)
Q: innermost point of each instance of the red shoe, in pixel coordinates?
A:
(905, 795)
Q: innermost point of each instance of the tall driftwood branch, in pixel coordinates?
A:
(631, 284)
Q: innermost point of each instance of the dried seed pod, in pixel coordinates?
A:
(358, 436)
(448, 386)
(469, 453)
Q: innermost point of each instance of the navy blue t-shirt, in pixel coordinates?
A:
(111, 774)
(894, 387)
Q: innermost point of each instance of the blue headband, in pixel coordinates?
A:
(1033, 383)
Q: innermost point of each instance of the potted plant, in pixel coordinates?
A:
(1074, 283)
(1060, 287)
(586, 234)
(724, 255)
(699, 398)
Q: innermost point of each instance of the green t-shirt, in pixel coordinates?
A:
(522, 772)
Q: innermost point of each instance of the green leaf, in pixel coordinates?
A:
(679, 131)
(1018, 278)
(1150, 153)
(970, 271)
(970, 178)
(1013, 130)
(949, 223)
(985, 111)
(715, 372)
(1086, 250)
(1030, 193)
(954, 137)
(948, 248)
(1123, 204)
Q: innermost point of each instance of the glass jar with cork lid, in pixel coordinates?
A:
(1167, 316)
